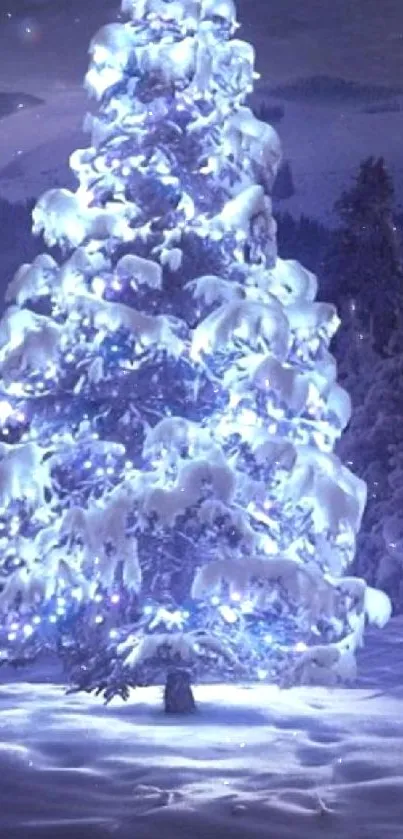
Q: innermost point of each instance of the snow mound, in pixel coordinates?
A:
(308, 762)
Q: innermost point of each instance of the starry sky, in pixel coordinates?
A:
(44, 43)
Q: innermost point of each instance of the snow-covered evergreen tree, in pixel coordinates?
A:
(373, 447)
(171, 506)
(363, 265)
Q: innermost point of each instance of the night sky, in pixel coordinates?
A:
(45, 41)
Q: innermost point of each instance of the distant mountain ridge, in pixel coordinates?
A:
(13, 101)
(328, 90)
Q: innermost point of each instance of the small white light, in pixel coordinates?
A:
(300, 647)
(247, 417)
(6, 411)
(228, 614)
(98, 286)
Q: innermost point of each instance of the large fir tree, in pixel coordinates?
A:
(171, 507)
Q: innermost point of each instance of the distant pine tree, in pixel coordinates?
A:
(363, 265)
(363, 269)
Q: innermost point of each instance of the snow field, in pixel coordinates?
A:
(252, 762)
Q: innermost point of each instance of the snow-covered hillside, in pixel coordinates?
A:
(325, 145)
(324, 142)
(359, 110)
(36, 142)
(253, 763)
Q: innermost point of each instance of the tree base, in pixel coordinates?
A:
(178, 696)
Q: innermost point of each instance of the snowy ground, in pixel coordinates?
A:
(253, 762)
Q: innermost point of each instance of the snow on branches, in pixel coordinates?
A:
(259, 326)
(63, 219)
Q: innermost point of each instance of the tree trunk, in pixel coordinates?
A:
(178, 696)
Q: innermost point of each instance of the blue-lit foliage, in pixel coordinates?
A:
(168, 493)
